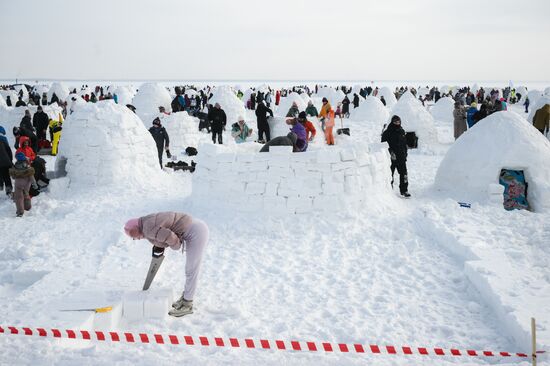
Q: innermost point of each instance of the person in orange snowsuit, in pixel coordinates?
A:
(329, 126)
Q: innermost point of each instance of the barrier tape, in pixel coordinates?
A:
(249, 343)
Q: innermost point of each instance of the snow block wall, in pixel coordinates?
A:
(106, 145)
(282, 182)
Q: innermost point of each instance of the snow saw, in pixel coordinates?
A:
(156, 261)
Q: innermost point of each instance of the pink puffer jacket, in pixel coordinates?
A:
(165, 229)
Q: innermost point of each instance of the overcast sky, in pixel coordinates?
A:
(276, 40)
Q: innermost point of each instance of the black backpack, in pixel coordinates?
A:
(191, 151)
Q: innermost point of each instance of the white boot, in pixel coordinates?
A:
(184, 307)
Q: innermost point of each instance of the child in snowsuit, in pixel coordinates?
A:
(23, 176)
(329, 126)
(172, 229)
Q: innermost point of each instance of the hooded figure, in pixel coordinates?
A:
(394, 135)
(261, 119)
(23, 176)
(172, 229)
(160, 135)
(25, 148)
(40, 122)
(459, 115)
(301, 134)
(293, 111)
(240, 131)
(288, 140)
(311, 110)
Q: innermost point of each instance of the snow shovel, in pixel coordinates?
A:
(156, 261)
(342, 130)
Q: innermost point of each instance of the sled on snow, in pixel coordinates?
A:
(515, 189)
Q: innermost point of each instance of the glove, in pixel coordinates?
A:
(35, 186)
(157, 251)
(168, 154)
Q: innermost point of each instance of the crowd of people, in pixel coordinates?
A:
(40, 133)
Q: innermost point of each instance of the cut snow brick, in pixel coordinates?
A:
(328, 156)
(245, 158)
(343, 165)
(319, 167)
(280, 150)
(132, 305)
(271, 189)
(110, 319)
(225, 157)
(255, 188)
(348, 155)
(333, 188)
(279, 161)
(157, 303)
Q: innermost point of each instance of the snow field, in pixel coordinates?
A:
(421, 272)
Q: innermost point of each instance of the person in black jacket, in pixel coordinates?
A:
(394, 135)
(20, 103)
(26, 121)
(161, 138)
(8, 101)
(345, 106)
(6, 162)
(40, 122)
(218, 120)
(355, 100)
(261, 119)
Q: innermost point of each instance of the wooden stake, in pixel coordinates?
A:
(534, 341)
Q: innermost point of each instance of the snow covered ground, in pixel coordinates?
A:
(419, 272)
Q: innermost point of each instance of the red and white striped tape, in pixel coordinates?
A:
(249, 343)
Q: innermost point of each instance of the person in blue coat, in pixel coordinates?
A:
(470, 115)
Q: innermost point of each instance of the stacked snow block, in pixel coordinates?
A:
(283, 182)
(151, 304)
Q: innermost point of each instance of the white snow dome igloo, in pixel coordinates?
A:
(229, 102)
(106, 145)
(504, 140)
(372, 110)
(388, 95)
(286, 103)
(148, 99)
(415, 118)
(442, 110)
(61, 91)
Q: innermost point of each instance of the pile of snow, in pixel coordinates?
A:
(60, 89)
(19, 88)
(442, 111)
(124, 94)
(106, 145)
(183, 131)
(286, 103)
(523, 91)
(415, 118)
(475, 160)
(334, 96)
(372, 110)
(534, 106)
(229, 102)
(148, 99)
(12, 94)
(534, 96)
(388, 96)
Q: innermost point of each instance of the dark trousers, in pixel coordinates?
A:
(263, 127)
(401, 166)
(217, 131)
(5, 179)
(160, 151)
